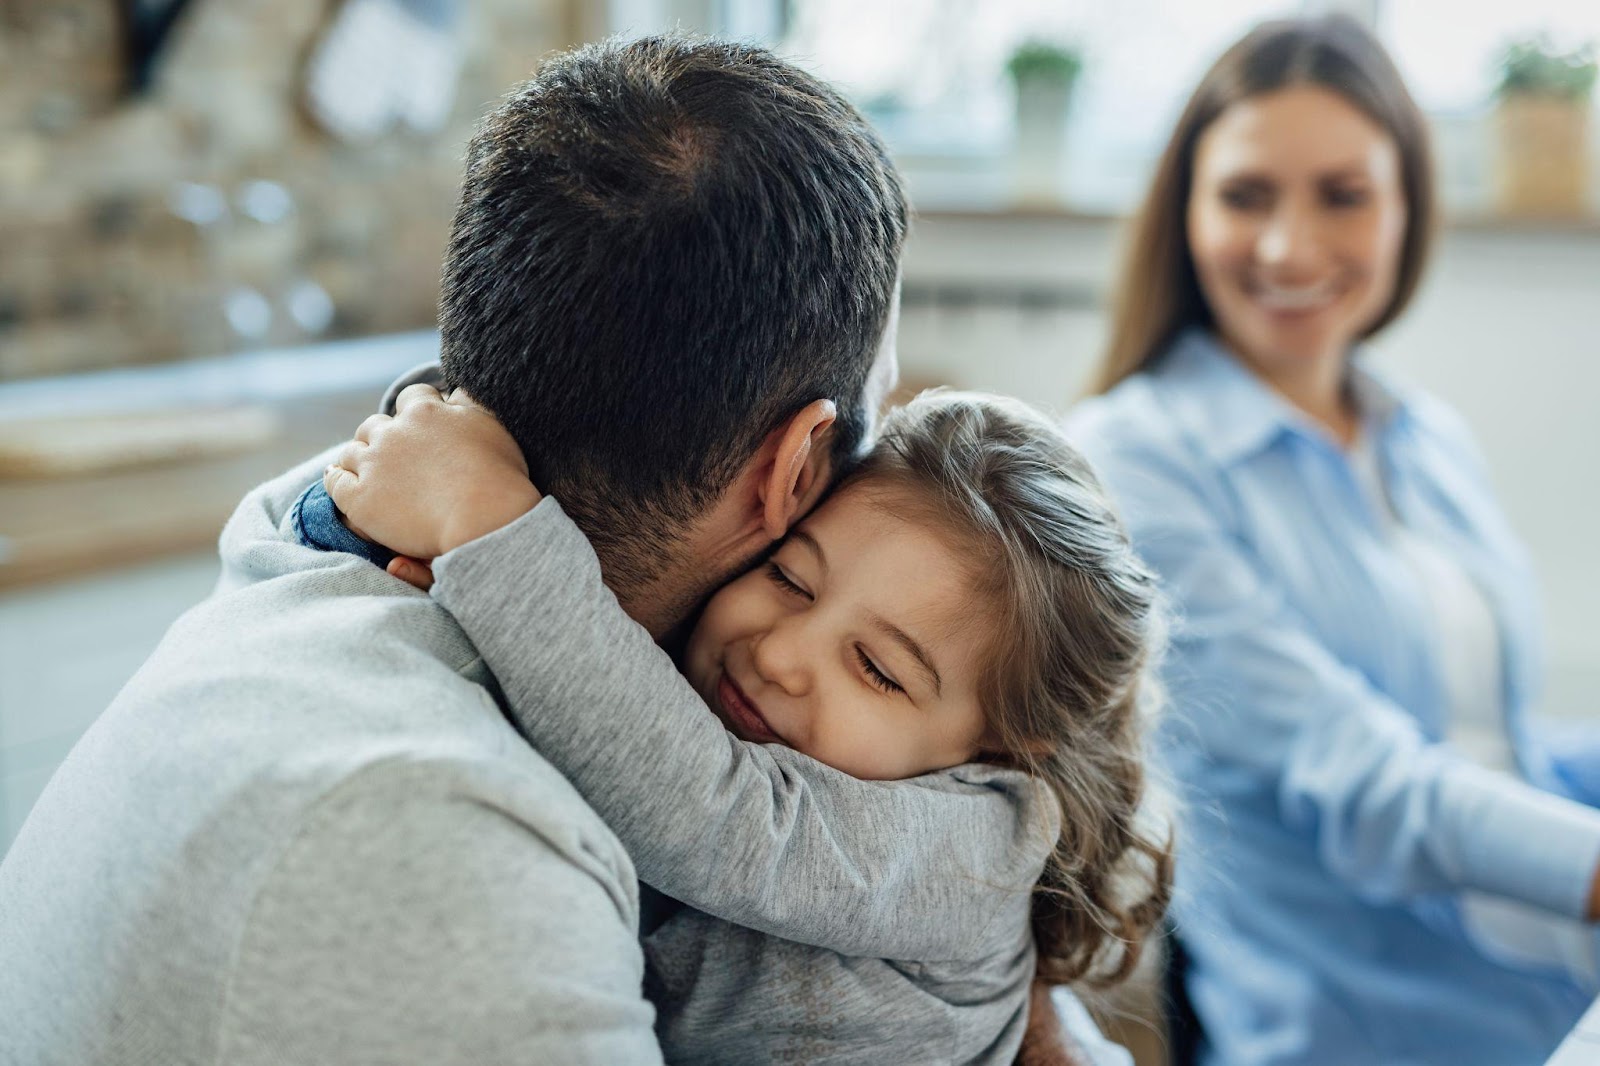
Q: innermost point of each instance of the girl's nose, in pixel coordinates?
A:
(781, 657)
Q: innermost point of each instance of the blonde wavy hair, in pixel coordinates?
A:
(1068, 684)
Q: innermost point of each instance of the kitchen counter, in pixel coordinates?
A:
(63, 526)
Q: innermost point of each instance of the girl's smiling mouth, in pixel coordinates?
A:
(743, 715)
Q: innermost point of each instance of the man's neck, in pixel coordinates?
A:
(663, 577)
(662, 599)
(662, 607)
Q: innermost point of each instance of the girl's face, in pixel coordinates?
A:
(1295, 221)
(857, 644)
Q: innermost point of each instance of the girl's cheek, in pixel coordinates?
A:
(745, 612)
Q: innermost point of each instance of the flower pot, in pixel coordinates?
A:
(1541, 156)
(1042, 105)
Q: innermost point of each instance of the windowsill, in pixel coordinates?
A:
(980, 209)
(980, 184)
(268, 375)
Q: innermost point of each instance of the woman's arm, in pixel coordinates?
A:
(1569, 746)
(1391, 814)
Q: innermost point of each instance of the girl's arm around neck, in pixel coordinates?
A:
(926, 869)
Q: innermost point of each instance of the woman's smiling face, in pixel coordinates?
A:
(1296, 221)
(856, 644)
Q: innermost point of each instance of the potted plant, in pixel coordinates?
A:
(1043, 74)
(1542, 125)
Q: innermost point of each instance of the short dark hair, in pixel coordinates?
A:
(666, 247)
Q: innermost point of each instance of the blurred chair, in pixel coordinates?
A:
(1184, 1032)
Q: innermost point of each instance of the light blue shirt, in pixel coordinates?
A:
(1330, 829)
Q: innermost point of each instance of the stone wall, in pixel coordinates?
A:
(210, 213)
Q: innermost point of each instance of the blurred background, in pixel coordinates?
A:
(221, 224)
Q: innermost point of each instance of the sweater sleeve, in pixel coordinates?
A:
(761, 836)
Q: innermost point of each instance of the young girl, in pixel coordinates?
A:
(922, 781)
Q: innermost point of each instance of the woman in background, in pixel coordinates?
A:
(1385, 863)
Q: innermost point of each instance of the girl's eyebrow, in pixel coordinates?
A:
(809, 541)
(917, 652)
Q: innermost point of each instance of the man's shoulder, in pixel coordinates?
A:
(265, 537)
(337, 669)
(447, 868)
(410, 803)
(265, 739)
(332, 678)
(439, 892)
(244, 845)
(336, 620)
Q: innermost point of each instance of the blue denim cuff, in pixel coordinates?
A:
(315, 520)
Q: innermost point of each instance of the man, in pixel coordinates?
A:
(305, 831)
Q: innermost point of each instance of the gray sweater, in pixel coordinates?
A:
(305, 833)
(835, 919)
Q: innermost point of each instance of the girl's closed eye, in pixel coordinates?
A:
(876, 675)
(780, 578)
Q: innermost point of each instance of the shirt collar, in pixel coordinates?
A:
(1233, 414)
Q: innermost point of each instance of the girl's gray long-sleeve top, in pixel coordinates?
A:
(834, 919)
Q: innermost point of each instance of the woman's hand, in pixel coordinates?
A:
(440, 472)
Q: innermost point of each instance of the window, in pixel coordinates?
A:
(1448, 50)
(1449, 54)
(930, 74)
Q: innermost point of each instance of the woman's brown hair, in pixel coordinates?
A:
(1158, 293)
(1067, 685)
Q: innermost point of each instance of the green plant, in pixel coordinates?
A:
(1044, 61)
(1534, 66)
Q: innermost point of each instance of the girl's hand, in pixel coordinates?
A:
(413, 572)
(440, 472)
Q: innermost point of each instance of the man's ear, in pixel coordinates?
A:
(800, 468)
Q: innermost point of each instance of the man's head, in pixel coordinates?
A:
(667, 252)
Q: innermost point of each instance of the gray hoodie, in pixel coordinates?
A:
(304, 832)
